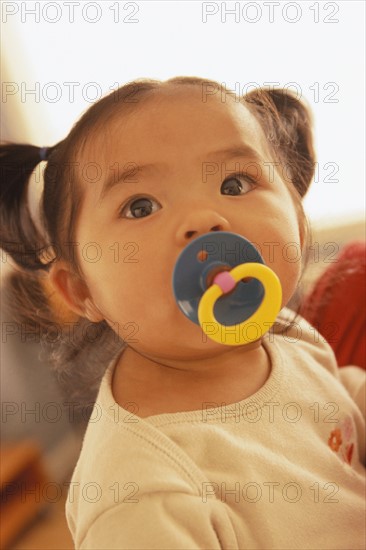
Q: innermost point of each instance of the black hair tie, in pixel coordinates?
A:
(43, 153)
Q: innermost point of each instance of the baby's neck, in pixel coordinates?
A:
(157, 387)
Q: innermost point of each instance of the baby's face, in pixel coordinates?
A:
(184, 154)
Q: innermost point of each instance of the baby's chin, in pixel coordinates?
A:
(194, 348)
(180, 339)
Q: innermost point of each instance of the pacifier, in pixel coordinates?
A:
(221, 283)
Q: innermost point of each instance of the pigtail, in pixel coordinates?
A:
(18, 235)
(20, 239)
(287, 123)
(77, 349)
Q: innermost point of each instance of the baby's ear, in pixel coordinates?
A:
(73, 290)
(287, 123)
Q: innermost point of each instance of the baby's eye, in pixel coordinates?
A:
(139, 208)
(233, 185)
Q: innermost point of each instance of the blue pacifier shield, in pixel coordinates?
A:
(196, 267)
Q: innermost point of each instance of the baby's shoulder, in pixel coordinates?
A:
(300, 340)
(118, 441)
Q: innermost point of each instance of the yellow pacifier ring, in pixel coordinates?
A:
(262, 319)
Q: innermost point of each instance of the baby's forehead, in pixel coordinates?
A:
(185, 119)
(179, 106)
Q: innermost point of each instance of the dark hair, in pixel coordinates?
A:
(286, 122)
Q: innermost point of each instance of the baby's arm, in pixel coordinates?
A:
(161, 520)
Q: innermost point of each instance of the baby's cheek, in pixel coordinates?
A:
(284, 257)
(289, 274)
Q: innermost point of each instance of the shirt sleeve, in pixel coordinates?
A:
(354, 380)
(161, 521)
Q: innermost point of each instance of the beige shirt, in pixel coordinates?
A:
(282, 469)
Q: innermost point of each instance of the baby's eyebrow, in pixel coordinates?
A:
(227, 154)
(127, 175)
(236, 151)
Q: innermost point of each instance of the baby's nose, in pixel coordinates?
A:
(199, 223)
